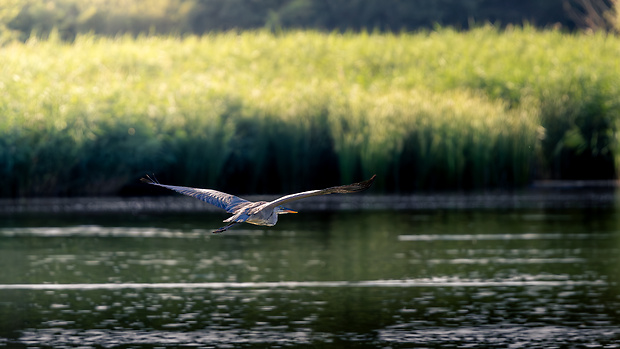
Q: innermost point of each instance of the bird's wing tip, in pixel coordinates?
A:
(148, 180)
(366, 184)
(356, 187)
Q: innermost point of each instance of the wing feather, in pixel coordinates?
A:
(228, 202)
(341, 189)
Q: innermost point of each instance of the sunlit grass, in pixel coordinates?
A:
(283, 112)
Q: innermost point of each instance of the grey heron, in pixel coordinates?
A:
(260, 212)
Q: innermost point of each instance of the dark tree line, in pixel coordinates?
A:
(70, 17)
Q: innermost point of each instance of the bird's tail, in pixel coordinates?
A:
(149, 180)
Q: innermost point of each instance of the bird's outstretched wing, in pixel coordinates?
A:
(342, 189)
(216, 198)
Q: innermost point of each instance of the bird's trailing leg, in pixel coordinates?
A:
(224, 228)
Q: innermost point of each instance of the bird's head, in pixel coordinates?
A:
(283, 210)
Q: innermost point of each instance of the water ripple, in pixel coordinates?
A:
(100, 231)
(500, 336)
(434, 282)
(526, 236)
(107, 338)
(493, 335)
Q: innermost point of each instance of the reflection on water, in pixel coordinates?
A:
(508, 278)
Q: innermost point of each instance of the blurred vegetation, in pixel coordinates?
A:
(22, 18)
(262, 112)
(594, 15)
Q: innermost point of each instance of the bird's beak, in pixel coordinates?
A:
(289, 211)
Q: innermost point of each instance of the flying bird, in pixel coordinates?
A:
(260, 212)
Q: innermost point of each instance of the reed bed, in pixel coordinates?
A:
(262, 112)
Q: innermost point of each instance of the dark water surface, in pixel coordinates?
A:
(496, 278)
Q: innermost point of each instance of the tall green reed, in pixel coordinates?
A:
(259, 112)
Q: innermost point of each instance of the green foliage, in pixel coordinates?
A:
(258, 112)
(116, 17)
(112, 17)
(614, 15)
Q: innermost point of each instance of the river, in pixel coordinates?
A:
(438, 275)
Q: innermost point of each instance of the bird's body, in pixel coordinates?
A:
(260, 212)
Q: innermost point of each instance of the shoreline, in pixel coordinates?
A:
(541, 195)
